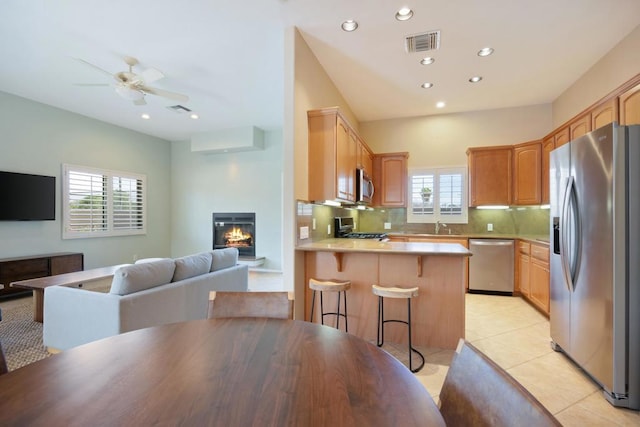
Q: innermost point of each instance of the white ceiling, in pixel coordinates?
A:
(228, 57)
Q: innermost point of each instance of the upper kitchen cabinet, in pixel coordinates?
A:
(332, 156)
(364, 157)
(604, 113)
(548, 144)
(630, 106)
(562, 136)
(390, 176)
(490, 176)
(527, 171)
(580, 126)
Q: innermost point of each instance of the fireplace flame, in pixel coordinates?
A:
(237, 237)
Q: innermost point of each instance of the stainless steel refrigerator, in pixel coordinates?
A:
(595, 258)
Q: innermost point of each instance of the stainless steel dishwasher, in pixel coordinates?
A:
(491, 266)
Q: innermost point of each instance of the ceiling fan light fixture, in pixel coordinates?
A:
(404, 14)
(129, 93)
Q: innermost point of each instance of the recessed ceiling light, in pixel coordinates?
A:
(440, 104)
(404, 14)
(427, 61)
(485, 51)
(195, 116)
(426, 85)
(145, 116)
(349, 25)
(475, 79)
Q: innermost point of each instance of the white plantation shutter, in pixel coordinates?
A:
(100, 203)
(445, 200)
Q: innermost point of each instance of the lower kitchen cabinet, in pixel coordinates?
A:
(533, 274)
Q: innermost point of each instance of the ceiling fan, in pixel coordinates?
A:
(133, 86)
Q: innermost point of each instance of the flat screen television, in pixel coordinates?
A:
(26, 197)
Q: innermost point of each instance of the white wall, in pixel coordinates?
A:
(443, 140)
(38, 139)
(248, 181)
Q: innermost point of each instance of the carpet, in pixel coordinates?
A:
(20, 336)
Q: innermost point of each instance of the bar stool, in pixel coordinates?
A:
(394, 292)
(330, 286)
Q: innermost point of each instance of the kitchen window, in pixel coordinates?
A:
(102, 203)
(437, 194)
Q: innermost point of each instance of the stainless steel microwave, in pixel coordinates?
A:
(364, 187)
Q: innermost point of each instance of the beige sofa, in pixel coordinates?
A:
(149, 293)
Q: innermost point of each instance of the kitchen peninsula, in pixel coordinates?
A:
(437, 269)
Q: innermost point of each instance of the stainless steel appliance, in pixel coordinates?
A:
(364, 187)
(595, 273)
(491, 266)
(344, 228)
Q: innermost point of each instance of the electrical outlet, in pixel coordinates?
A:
(489, 227)
(329, 229)
(304, 233)
(387, 226)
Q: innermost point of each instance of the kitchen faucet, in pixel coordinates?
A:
(438, 225)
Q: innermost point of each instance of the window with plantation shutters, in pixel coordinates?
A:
(100, 203)
(438, 194)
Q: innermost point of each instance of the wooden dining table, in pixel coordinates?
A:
(222, 372)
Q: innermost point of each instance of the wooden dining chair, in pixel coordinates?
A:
(3, 362)
(277, 305)
(478, 392)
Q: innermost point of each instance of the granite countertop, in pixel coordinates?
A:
(376, 246)
(541, 239)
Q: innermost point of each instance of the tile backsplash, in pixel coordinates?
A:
(516, 220)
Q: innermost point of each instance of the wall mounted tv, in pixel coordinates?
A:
(26, 197)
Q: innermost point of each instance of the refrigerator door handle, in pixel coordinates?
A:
(565, 256)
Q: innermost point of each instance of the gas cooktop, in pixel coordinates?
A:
(365, 235)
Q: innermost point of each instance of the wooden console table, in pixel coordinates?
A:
(31, 267)
(67, 279)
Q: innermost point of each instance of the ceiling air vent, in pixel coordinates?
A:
(179, 109)
(422, 42)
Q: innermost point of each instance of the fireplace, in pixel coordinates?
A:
(235, 230)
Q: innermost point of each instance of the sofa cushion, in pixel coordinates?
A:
(145, 260)
(224, 258)
(192, 265)
(138, 277)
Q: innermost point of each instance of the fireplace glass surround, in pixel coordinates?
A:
(235, 230)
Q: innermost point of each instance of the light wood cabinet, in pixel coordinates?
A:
(490, 175)
(548, 145)
(332, 156)
(630, 106)
(533, 274)
(527, 171)
(604, 113)
(364, 158)
(539, 277)
(562, 137)
(580, 126)
(390, 177)
(524, 249)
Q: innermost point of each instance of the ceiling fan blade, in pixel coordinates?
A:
(91, 84)
(151, 75)
(94, 66)
(164, 93)
(140, 101)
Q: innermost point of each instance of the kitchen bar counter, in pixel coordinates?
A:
(373, 245)
(437, 269)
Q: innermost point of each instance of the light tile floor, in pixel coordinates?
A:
(516, 337)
